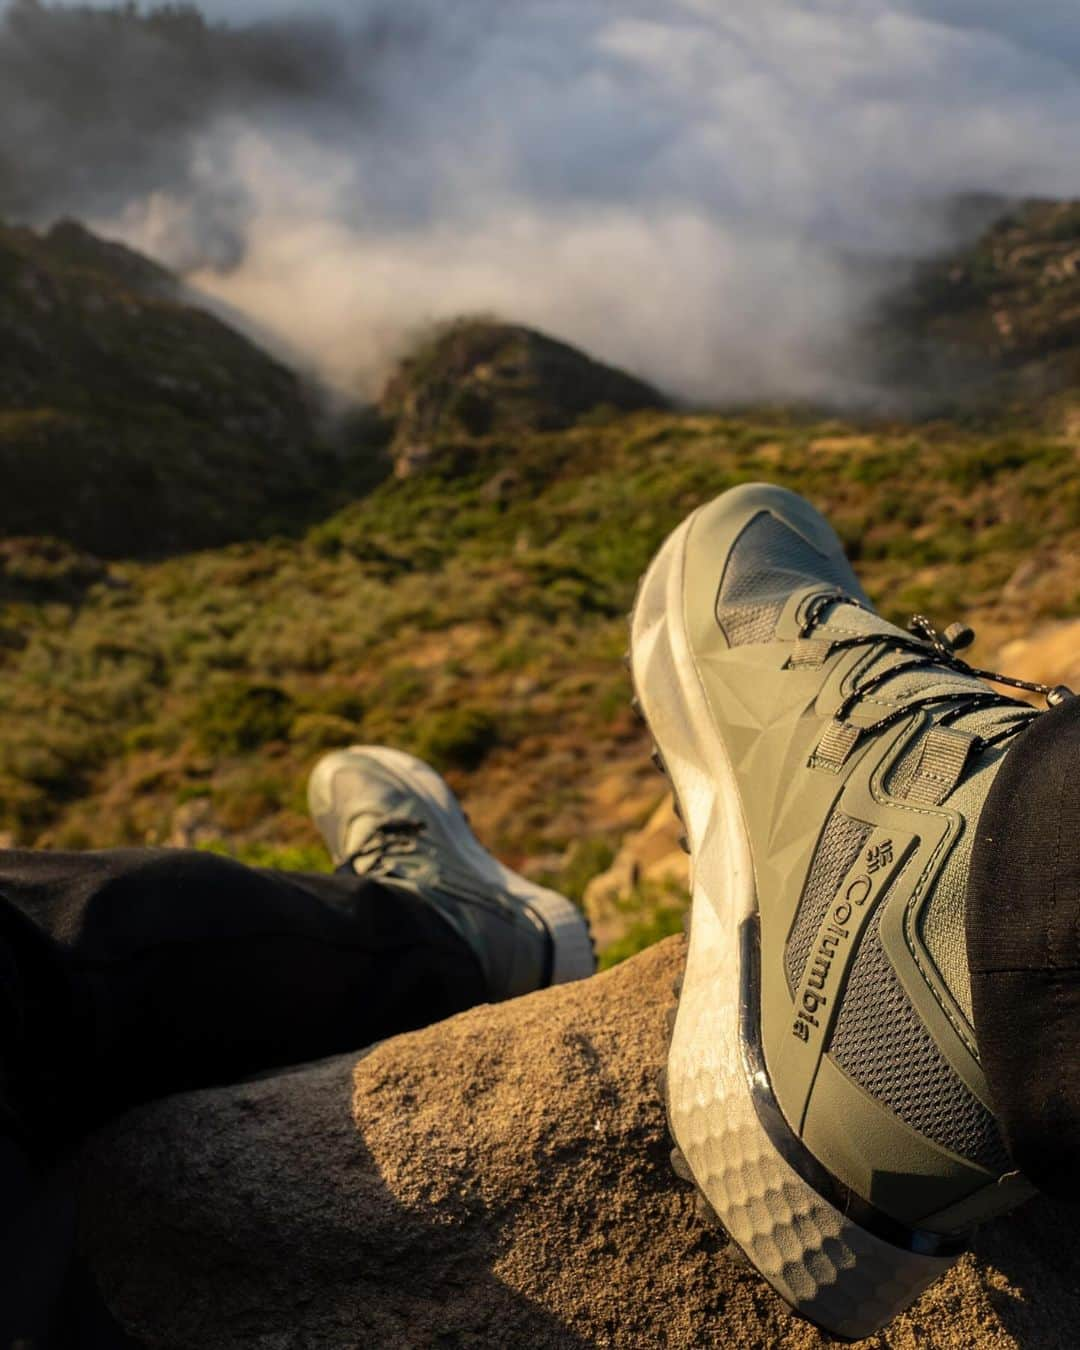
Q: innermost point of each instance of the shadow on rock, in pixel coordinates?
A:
(256, 1215)
(498, 1180)
(1031, 1272)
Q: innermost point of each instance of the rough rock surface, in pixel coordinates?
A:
(649, 855)
(499, 1180)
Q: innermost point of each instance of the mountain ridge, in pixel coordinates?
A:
(993, 327)
(132, 421)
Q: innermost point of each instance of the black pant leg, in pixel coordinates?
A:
(154, 971)
(1023, 935)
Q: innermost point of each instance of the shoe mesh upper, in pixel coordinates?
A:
(839, 847)
(768, 562)
(880, 1041)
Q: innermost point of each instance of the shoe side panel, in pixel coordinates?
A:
(938, 830)
(880, 1157)
(856, 1135)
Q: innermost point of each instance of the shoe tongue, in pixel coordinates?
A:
(845, 619)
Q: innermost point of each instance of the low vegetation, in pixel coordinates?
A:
(473, 612)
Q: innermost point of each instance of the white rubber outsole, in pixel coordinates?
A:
(827, 1267)
(573, 957)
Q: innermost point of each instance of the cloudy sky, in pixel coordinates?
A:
(679, 186)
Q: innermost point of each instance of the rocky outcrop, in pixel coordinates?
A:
(479, 377)
(499, 1180)
(650, 857)
(994, 323)
(1050, 655)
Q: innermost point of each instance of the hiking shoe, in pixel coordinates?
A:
(823, 1086)
(390, 817)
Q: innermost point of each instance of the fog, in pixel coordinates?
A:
(711, 194)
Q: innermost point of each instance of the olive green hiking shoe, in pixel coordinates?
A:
(823, 1085)
(390, 817)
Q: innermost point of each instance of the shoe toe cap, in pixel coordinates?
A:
(751, 549)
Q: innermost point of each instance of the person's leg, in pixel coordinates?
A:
(150, 972)
(1023, 938)
(37, 1191)
(132, 974)
(127, 975)
(143, 972)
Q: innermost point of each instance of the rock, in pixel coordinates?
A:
(1051, 655)
(501, 486)
(498, 1180)
(478, 377)
(543, 866)
(193, 824)
(649, 856)
(1023, 578)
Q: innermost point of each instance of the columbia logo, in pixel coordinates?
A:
(837, 936)
(879, 857)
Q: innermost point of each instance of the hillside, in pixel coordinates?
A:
(476, 614)
(480, 377)
(473, 611)
(132, 422)
(996, 325)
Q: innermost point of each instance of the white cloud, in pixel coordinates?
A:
(670, 185)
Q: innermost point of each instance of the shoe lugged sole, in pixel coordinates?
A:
(796, 1226)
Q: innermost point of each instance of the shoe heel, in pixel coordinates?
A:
(573, 956)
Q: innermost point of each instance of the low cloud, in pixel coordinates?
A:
(712, 195)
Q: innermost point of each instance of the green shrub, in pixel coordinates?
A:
(246, 801)
(322, 731)
(338, 702)
(664, 921)
(588, 859)
(457, 738)
(399, 687)
(282, 858)
(232, 718)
